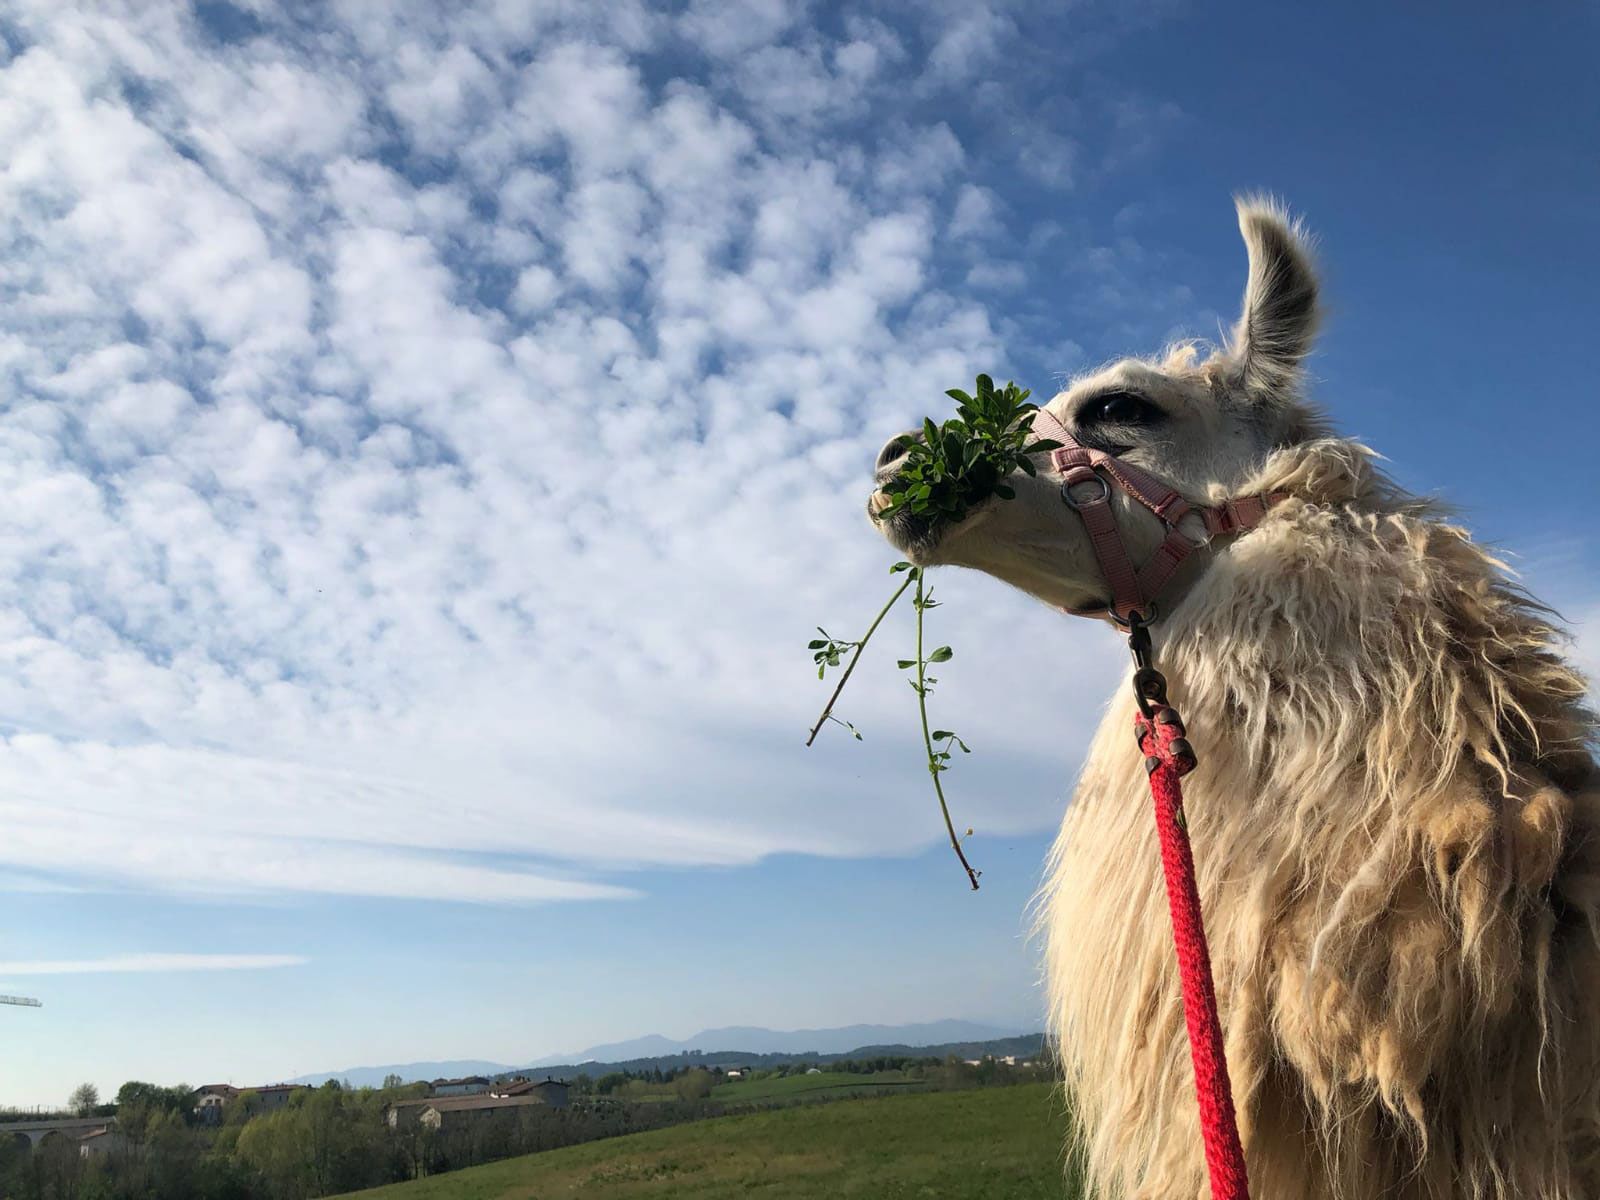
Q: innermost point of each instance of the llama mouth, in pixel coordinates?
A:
(912, 534)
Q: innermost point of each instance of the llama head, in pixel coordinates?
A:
(1203, 425)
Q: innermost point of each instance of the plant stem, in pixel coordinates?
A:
(927, 742)
(860, 646)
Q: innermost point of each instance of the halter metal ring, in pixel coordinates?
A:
(1068, 484)
(1136, 620)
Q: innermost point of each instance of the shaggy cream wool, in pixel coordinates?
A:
(1397, 826)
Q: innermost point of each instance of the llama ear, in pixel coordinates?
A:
(1279, 320)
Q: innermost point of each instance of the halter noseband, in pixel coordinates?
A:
(1134, 590)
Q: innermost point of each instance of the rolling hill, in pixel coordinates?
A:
(985, 1144)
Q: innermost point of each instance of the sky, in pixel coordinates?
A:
(428, 442)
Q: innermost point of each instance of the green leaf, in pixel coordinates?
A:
(898, 567)
(939, 735)
(906, 664)
(942, 654)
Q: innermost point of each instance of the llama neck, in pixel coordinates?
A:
(1394, 847)
(1371, 641)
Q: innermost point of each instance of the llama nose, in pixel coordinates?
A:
(894, 450)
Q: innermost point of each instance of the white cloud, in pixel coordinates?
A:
(1586, 648)
(431, 443)
(969, 45)
(976, 212)
(731, 27)
(122, 963)
(1049, 157)
(998, 276)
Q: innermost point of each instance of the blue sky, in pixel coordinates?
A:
(428, 445)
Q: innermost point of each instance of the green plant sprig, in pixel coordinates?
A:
(938, 760)
(953, 468)
(827, 651)
(958, 465)
(939, 744)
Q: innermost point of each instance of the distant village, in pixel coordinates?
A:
(293, 1141)
(443, 1104)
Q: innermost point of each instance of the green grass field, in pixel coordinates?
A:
(1000, 1143)
(829, 1084)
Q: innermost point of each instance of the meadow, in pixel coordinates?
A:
(999, 1143)
(826, 1085)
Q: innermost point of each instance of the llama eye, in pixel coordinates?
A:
(1119, 408)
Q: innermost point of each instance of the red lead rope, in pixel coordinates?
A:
(1168, 757)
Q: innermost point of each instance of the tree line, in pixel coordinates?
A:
(336, 1138)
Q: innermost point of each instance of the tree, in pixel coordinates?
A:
(84, 1100)
(693, 1084)
(391, 1081)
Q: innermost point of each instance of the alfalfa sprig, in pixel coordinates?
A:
(945, 474)
(827, 650)
(938, 760)
(954, 467)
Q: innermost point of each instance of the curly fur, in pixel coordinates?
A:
(1397, 824)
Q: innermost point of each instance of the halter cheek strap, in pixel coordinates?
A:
(1135, 589)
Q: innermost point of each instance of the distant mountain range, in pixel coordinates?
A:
(756, 1040)
(730, 1043)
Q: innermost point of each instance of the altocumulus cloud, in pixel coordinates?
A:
(428, 444)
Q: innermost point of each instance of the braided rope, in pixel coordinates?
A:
(1168, 757)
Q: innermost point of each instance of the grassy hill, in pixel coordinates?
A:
(1000, 1143)
(830, 1085)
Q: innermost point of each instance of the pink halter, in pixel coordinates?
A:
(1134, 590)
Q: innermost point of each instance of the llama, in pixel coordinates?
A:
(1396, 815)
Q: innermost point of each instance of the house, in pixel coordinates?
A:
(470, 1085)
(275, 1095)
(100, 1142)
(213, 1098)
(552, 1091)
(209, 1101)
(460, 1112)
(402, 1114)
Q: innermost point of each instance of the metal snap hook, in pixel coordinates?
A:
(1136, 619)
